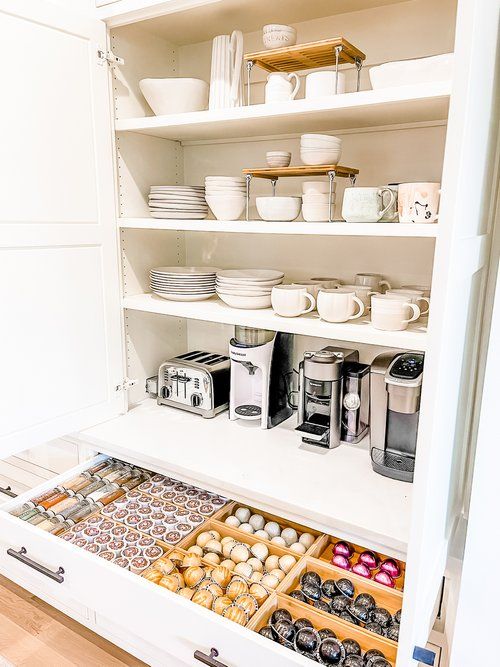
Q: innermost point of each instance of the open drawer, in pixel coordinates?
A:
(59, 570)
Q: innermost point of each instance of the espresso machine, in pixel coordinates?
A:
(320, 395)
(395, 386)
(261, 368)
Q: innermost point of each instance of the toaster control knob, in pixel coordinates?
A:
(166, 392)
(196, 400)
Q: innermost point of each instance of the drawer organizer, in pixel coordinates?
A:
(235, 577)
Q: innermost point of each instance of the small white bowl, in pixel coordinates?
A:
(320, 157)
(328, 138)
(318, 199)
(246, 302)
(278, 162)
(317, 187)
(226, 208)
(278, 209)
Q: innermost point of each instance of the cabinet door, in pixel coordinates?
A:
(60, 338)
(458, 289)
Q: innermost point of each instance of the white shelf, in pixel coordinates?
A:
(368, 108)
(335, 490)
(214, 310)
(294, 228)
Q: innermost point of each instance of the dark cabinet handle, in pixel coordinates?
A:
(21, 556)
(7, 490)
(209, 659)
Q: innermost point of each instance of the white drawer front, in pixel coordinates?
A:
(9, 486)
(167, 621)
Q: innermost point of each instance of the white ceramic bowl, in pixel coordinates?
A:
(320, 157)
(276, 36)
(246, 302)
(317, 187)
(318, 199)
(315, 212)
(274, 209)
(278, 158)
(175, 95)
(276, 163)
(226, 208)
(320, 137)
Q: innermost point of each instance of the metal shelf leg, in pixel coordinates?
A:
(250, 65)
(359, 65)
(331, 178)
(338, 50)
(248, 178)
(273, 183)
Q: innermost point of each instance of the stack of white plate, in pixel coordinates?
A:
(183, 283)
(320, 149)
(226, 196)
(178, 202)
(247, 288)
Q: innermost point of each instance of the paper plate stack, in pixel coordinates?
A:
(183, 283)
(178, 202)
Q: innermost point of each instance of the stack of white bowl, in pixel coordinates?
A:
(247, 288)
(178, 202)
(183, 283)
(277, 159)
(316, 200)
(320, 149)
(226, 196)
(276, 36)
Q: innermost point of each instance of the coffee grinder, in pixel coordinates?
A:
(261, 365)
(395, 386)
(320, 395)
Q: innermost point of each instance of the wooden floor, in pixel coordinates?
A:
(34, 634)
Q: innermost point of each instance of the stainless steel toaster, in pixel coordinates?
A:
(195, 381)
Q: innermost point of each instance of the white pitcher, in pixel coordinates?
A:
(279, 87)
(226, 86)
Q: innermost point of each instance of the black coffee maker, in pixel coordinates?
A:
(395, 387)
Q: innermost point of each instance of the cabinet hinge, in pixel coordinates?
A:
(108, 57)
(125, 384)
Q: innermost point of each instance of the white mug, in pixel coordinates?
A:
(363, 292)
(291, 300)
(373, 280)
(418, 202)
(426, 291)
(311, 286)
(392, 313)
(391, 214)
(413, 295)
(366, 204)
(339, 305)
(321, 84)
(327, 283)
(279, 87)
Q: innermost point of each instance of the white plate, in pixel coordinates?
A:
(186, 297)
(177, 198)
(167, 206)
(181, 280)
(168, 215)
(185, 270)
(246, 302)
(178, 187)
(243, 292)
(223, 178)
(252, 275)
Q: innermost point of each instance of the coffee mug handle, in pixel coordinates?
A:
(425, 300)
(416, 312)
(361, 309)
(369, 295)
(392, 199)
(385, 283)
(312, 305)
(291, 76)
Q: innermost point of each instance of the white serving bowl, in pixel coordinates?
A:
(175, 95)
(246, 302)
(225, 207)
(317, 187)
(313, 157)
(276, 36)
(274, 209)
(316, 212)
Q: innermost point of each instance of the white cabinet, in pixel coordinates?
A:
(84, 333)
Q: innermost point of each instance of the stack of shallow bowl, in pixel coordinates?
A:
(278, 159)
(226, 196)
(320, 149)
(183, 283)
(247, 288)
(316, 200)
(178, 202)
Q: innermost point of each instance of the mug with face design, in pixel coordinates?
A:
(415, 296)
(372, 280)
(291, 300)
(418, 202)
(391, 312)
(339, 305)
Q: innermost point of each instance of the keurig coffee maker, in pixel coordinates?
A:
(395, 386)
(261, 366)
(320, 395)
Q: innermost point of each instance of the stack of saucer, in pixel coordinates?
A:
(178, 202)
(247, 288)
(226, 196)
(183, 283)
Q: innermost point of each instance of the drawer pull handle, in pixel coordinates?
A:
(209, 659)
(21, 555)
(7, 490)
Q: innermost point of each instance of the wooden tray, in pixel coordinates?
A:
(324, 551)
(303, 170)
(306, 56)
(366, 640)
